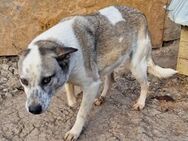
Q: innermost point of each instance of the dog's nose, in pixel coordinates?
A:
(35, 109)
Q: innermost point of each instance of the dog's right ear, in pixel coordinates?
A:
(23, 53)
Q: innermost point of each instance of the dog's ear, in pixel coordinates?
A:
(57, 50)
(64, 51)
(50, 46)
(23, 53)
(63, 55)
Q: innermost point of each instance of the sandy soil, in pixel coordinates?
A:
(165, 117)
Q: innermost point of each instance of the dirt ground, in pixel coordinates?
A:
(165, 117)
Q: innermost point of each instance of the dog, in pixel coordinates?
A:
(81, 50)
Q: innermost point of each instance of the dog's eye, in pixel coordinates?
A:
(24, 81)
(47, 80)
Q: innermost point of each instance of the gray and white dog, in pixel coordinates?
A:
(81, 50)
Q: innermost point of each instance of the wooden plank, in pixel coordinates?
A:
(183, 51)
(182, 66)
(21, 20)
(182, 63)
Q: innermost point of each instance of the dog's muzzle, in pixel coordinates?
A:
(35, 109)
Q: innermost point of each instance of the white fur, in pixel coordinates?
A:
(32, 64)
(56, 32)
(142, 48)
(152, 68)
(159, 71)
(112, 14)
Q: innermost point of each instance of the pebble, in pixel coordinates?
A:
(5, 66)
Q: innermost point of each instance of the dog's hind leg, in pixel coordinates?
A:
(71, 99)
(140, 73)
(139, 65)
(107, 84)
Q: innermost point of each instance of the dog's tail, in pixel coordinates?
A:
(159, 71)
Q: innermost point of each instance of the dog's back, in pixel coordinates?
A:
(109, 34)
(106, 39)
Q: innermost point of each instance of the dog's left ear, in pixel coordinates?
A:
(64, 51)
(63, 55)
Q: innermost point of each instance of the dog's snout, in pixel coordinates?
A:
(35, 109)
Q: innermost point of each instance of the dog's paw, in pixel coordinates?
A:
(71, 136)
(139, 106)
(72, 103)
(99, 101)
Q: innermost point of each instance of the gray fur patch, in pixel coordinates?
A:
(85, 31)
(100, 40)
(47, 46)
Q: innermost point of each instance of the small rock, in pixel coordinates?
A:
(5, 90)
(5, 66)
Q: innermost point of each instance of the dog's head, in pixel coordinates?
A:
(43, 67)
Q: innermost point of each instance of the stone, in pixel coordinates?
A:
(171, 30)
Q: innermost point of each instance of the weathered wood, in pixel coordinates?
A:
(22, 20)
(182, 63)
(182, 66)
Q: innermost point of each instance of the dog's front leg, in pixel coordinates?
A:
(90, 92)
(71, 99)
